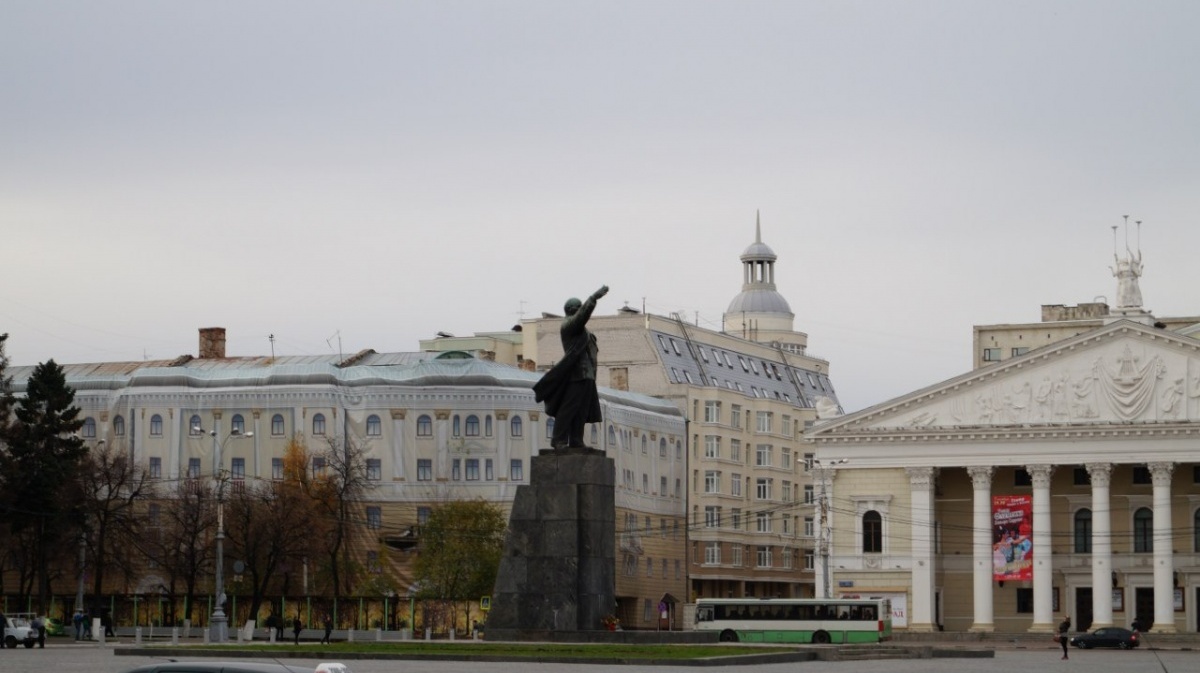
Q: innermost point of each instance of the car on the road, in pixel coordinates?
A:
(19, 631)
(1112, 636)
(235, 667)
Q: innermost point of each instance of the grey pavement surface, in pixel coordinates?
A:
(90, 658)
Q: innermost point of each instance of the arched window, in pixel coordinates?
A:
(662, 447)
(645, 446)
(612, 436)
(456, 426)
(487, 425)
(318, 424)
(1083, 531)
(237, 425)
(514, 426)
(119, 426)
(195, 427)
(1143, 530)
(595, 434)
(424, 426)
(277, 425)
(89, 427)
(156, 426)
(472, 426)
(872, 528)
(550, 428)
(374, 427)
(1196, 531)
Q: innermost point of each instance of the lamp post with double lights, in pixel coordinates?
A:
(825, 541)
(218, 624)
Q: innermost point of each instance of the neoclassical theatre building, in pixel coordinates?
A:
(1059, 477)
(433, 427)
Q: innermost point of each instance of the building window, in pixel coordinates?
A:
(193, 471)
(516, 470)
(735, 485)
(991, 355)
(1196, 531)
(277, 425)
(1083, 531)
(712, 446)
(735, 450)
(786, 458)
(662, 447)
(763, 488)
(489, 473)
(318, 466)
(374, 469)
(277, 468)
(712, 412)
(374, 427)
(678, 449)
(472, 426)
(763, 522)
(425, 426)
(1081, 477)
(1020, 350)
(237, 425)
(195, 427)
(612, 436)
(737, 555)
(237, 468)
(735, 518)
(645, 483)
(119, 426)
(88, 430)
(1141, 475)
(424, 469)
(1021, 477)
(1143, 531)
(374, 518)
(155, 468)
(712, 516)
(472, 469)
(712, 482)
(514, 426)
(549, 428)
(1024, 597)
(662, 487)
(423, 515)
(678, 488)
(764, 557)
(712, 553)
(872, 533)
(487, 426)
(809, 526)
(762, 455)
(763, 423)
(456, 469)
(810, 559)
(156, 426)
(786, 491)
(373, 565)
(318, 424)
(808, 494)
(456, 426)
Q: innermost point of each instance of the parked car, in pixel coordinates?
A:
(19, 631)
(1113, 636)
(235, 667)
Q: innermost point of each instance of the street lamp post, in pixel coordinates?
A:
(826, 530)
(218, 623)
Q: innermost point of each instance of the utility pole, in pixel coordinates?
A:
(825, 540)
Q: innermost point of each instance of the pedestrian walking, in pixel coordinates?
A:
(1064, 630)
(296, 626)
(328, 629)
(77, 620)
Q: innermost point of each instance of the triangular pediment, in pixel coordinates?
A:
(1121, 373)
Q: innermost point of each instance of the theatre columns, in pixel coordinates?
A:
(1043, 565)
(981, 480)
(921, 483)
(1102, 606)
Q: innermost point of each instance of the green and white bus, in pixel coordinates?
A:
(796, 620)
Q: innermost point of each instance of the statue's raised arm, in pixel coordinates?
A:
(569, 388)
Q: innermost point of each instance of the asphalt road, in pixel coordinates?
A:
(90, 658)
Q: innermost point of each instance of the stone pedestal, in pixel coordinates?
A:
(558, 572)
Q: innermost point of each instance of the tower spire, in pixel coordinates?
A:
(757, 226)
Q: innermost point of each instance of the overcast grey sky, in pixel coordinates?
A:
(386, 170)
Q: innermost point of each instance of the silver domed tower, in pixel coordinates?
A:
(759, 312)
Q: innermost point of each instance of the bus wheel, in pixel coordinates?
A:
(728, 636)
(821, 637)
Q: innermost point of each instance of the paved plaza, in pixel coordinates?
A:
(71, 658)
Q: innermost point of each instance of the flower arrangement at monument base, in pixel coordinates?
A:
(610, 622)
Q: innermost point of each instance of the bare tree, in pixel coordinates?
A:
(179, 542)
(337, 489)
(113, 486)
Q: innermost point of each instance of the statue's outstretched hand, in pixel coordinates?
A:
(601, 292)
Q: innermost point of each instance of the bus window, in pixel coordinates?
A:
(704, 614)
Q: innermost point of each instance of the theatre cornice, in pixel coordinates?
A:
(983, 434)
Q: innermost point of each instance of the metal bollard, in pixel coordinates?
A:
(272, 634)
(452, 633)
(206, 636)
(378, 635)
(428, 633)
(349, 635)
(137, 635)
(175, 636)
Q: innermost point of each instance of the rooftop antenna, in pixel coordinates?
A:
(1139, 236)
(271, 338)
(338, 336)
(521, 311)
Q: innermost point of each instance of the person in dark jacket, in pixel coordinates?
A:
(569, 388)
(328, 629)
(1064, 635)
(296, 628)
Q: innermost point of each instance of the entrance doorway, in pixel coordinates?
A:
(1083, 608)
(1143, 607)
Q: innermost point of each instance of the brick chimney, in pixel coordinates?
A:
(212, 342)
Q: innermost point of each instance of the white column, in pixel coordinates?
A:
(1043, 567)
(981, 479)
(921, 612)
(1102, 608)
(399, 468)
(1164, 569)
(441, 434)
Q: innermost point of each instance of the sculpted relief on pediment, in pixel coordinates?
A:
(1122, 381)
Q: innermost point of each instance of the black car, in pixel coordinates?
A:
(1113, 636)
(234, 667)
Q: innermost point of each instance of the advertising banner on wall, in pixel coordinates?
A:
(1012, 537)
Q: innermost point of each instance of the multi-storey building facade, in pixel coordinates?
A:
(1089, 438)
(431, 429)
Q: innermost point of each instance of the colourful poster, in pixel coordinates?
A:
(1012, 537)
